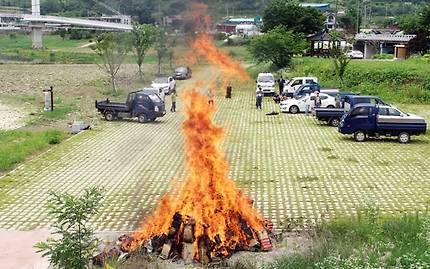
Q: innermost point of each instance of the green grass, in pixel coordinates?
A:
(16, 146)
(52, 42)
(368, 241)
(394, 81)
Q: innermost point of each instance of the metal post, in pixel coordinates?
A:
(51, 89)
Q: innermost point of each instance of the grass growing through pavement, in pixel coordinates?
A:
(369, 241)
(16, 146)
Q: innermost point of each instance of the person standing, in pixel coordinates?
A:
(259, 98)
(307, 104)
(318, 100)
(228, 91)
(281, 84)
(210, 97)
(337, 101)
(174, 95)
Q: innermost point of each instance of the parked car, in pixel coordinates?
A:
(355, 54)
(296, 105)
(167, 84)
(333, 115)
(183, 72)
(292, 85)
(145, 106)
(367, 120)
(312, 88)
(267, 83)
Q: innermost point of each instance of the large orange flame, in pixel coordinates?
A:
(207, 194)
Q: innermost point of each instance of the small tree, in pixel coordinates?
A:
(340, 59)
(277, 46)
(77, 243)
(112, 49)
(161, 47)
(144, 36)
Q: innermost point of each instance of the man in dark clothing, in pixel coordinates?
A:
(281, 84)
(259, 98)
(228, 92)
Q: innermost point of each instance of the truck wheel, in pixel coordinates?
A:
(109, 116)
(335, 122)
(294, 109)
(360, 136)
(404, 138)
(142, 118)
(330, 106)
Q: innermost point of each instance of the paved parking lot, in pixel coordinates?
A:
(292, 166)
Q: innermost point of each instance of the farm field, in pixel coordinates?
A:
(296, 169)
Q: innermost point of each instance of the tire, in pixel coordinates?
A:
(153, 119)
(142, 118)
(109, 116)
(335, 122)
(330, 106)
(294, 109)
(404, 138)
(360, 136)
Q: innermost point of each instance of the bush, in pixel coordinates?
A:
(384, 56)
(54, 137)
(77, 244)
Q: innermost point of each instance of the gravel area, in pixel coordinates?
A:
(10, 118)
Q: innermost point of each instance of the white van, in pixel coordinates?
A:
(267, 82)
(294, 84)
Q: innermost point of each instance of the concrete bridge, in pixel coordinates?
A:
(36, 22)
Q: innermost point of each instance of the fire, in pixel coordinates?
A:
(207, 204)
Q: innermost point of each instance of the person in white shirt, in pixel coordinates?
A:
(307, 104)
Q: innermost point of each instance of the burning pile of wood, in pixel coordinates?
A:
(181, 243)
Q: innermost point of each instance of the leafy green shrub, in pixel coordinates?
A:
(384, 56)
(54, 137)
(77, 244)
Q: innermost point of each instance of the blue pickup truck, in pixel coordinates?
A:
(333, 115)
(367, 120)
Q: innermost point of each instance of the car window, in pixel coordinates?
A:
(360, 111)
(309, 81)
(323, 97)
(313, 98)
(161, 80)
(266, 79)
(383, 111)
(297, 82)
(154, 97)
(393, 112)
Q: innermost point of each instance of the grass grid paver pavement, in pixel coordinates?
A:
(293, 167)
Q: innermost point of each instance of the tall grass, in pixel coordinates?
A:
(16, 146)
(369, 241)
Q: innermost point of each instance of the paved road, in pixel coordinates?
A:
(292, 166)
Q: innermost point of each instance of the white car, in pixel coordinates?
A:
(355, 54)
(294, 105)
(295, 83)
(167, 84)
(266, 81)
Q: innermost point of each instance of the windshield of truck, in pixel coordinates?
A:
(155, 98)
(266, 79)
(161, 80)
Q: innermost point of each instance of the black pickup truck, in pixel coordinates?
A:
(333, 115)
(145, 106)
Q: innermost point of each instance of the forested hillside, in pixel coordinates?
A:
(148, 10)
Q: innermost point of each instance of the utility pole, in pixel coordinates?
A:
(358, 16)
(335, 13)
